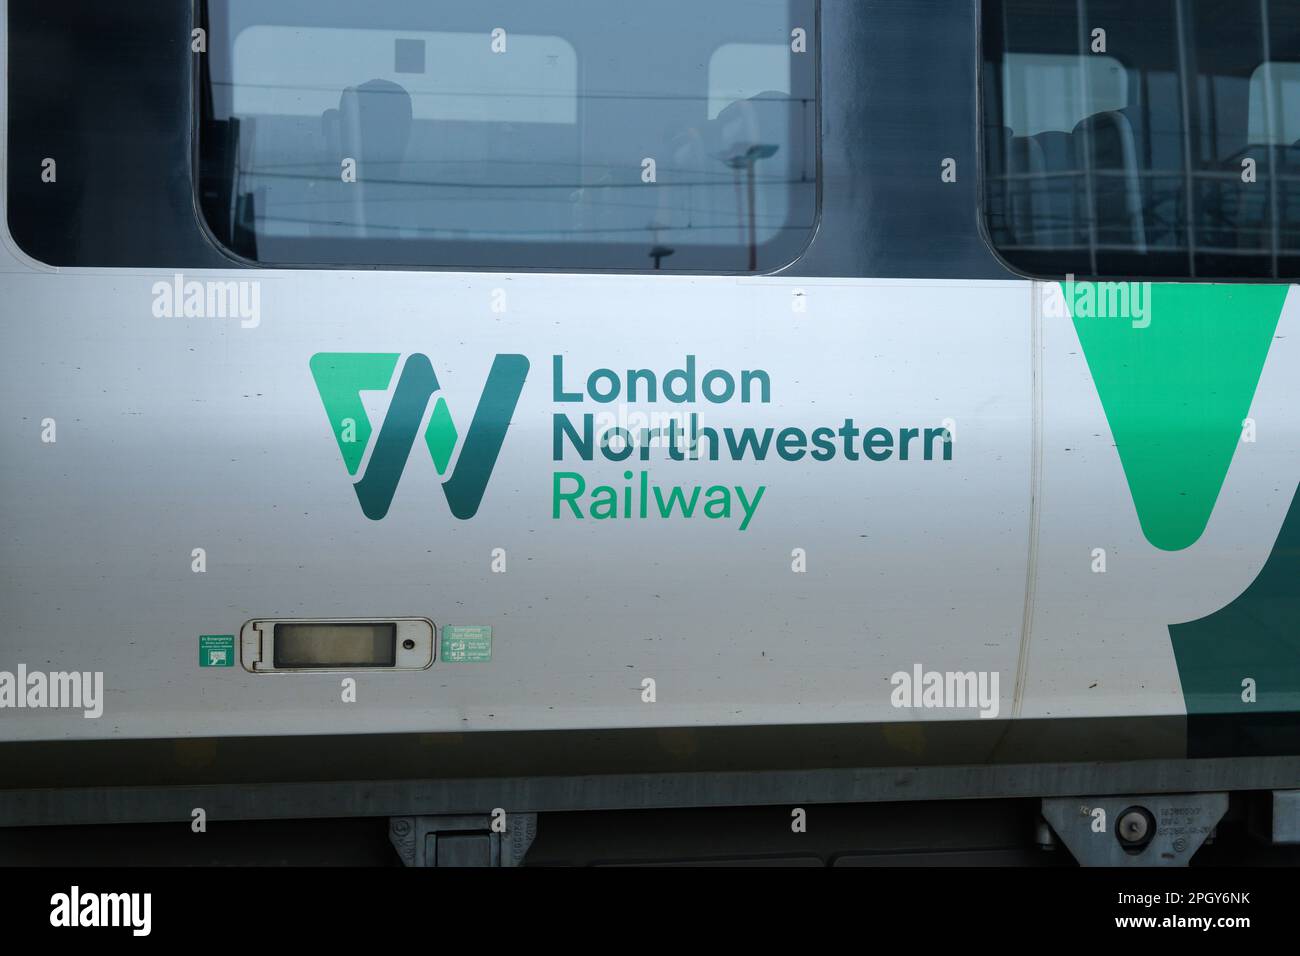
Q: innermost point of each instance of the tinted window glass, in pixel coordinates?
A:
(510, 133)
(1158, 139)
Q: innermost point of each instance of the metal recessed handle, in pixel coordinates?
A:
(331, 645)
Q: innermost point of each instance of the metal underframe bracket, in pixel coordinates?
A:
(1151, 830)
(1280, 824)
(462, 840)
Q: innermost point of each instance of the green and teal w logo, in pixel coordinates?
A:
(341, 377)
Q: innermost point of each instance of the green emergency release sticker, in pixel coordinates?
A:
(216, 650)
(466, 645)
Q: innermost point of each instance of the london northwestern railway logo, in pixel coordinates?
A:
(341, 377)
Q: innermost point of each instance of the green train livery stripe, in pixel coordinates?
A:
(1176, 388)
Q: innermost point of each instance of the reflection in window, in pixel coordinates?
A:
(510, 134)
(1158, 139)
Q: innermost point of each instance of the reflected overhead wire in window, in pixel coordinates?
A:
(511, 134)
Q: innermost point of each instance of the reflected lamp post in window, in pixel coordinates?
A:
(746, 158)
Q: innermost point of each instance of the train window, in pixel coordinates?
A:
(510, 134)
(1158, 139)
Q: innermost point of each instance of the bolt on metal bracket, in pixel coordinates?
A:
(1135, 830)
